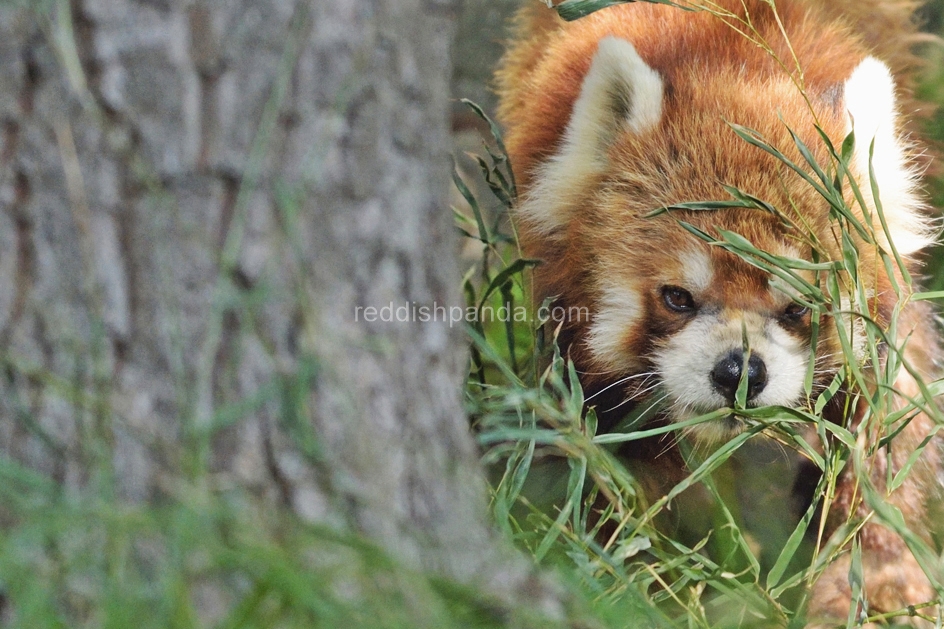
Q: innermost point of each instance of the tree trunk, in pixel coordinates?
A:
(201, 200)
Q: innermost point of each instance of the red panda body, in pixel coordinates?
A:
(630, 110)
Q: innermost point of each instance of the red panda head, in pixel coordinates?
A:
(668, 311)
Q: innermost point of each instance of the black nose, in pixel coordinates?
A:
(726, 376)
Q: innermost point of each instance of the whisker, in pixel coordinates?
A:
(597, 373)
(619, 382)
(674, 440)
(658, 400)
(639, 394)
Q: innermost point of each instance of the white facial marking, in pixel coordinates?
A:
(696, 268)
(786, 361)
(870, 101)
(686, 361)
(781, 290)
(786, 250)
(619, 310)
(619, 92)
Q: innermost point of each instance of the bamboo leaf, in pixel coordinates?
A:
(794, 541)
(470, 199)
(571, 10)
(505, 275)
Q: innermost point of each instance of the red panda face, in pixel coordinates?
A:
(698, 320)
(670, 313)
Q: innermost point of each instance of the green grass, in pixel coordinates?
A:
(204, 559)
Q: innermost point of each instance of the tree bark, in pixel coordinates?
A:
(200, 199)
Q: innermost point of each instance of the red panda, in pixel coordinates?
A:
(629, 110)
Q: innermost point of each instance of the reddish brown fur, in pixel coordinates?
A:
(712, 74)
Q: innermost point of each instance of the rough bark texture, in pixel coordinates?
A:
(196, 198)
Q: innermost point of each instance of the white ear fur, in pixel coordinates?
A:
(870, 101)
(619, 92)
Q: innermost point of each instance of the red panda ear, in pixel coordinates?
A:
(619, 92)
(869, 96)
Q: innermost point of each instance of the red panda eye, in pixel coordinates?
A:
(678, 299)
(794, 312)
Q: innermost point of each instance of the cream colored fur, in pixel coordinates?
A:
(870, 102)
(620, 92)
